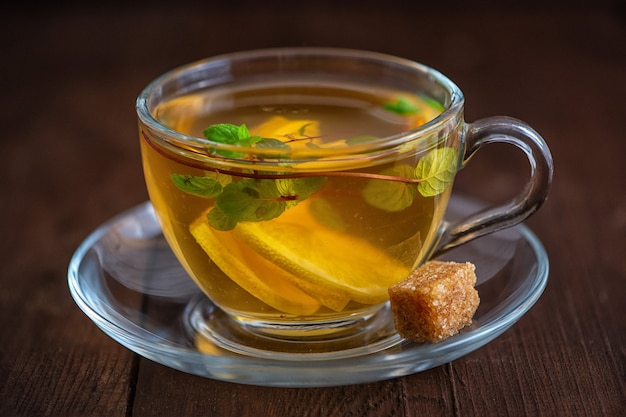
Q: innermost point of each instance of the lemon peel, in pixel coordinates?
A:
(266, 282)
(338, 263)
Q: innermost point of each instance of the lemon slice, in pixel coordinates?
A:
(327, 259)
(266, 282)
(279, 127)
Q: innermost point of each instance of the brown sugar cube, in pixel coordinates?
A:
(436, 301)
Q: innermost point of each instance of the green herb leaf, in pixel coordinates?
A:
(391, 195)
(220, 221)
(251, 200)
(271, 143)
(402, 106)
(243, 133)
(432, 102)
(304, 187)
(224, 133)
(436, 170)
(295, 190)
(207, 187)
(285, 186)
(230, 134)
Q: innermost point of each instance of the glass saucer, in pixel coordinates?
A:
(127, 281)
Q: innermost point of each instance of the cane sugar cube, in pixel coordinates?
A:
(435, 302)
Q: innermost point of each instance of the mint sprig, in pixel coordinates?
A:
(257, 199)
(249, 199)
(253, 200)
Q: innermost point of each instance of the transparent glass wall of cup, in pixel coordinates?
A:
(304, 219)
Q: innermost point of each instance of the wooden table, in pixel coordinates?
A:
(70, 76)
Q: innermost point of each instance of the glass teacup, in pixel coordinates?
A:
(296, 185)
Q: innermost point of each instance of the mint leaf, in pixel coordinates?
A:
(304, 187)
(251, 200)
(220, 221)
(436, 170)
(391, 195)
(432, 102)
(206, 187)
(294, 190)
(230, 134)
(224, 133)
(401, 106)
(285, 186)
(271, 143)
(243, 133)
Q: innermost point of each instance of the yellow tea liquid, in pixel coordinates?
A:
(279, 245)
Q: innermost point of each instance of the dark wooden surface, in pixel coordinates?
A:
(70, 161)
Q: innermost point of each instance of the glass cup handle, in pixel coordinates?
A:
(519, 134)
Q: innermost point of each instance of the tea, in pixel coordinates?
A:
(297, 242)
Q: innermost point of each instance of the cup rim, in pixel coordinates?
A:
(383, 144)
